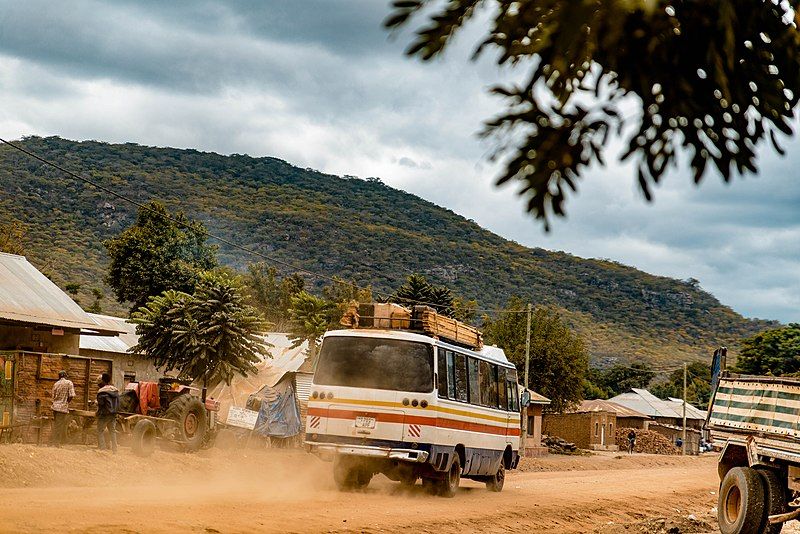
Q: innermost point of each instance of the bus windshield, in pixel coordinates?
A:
(367, 362)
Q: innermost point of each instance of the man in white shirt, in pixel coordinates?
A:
(63, 393)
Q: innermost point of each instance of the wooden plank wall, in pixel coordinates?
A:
(33, 386)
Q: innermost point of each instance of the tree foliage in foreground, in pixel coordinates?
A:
(558, 358)
(160, 251)
(774, 352)
(310, 317)
(210, 335)
(416, 290)
(713, 78)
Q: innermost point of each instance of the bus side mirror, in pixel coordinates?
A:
(525, 399)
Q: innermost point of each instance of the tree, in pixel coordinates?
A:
(12, 237)
(210, 335)
(713, 78)
(774, 352)
(342, 293)
(418, 291)
(311, 316)
(559, 360)
(159, 252)
(698, 385)
(620, 378)
(271, 294)
(96, 307)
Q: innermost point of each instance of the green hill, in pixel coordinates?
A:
(345, 226)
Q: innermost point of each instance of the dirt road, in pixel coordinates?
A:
(267, 491)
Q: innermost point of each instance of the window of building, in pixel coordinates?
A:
(597, 429)
(531, 420)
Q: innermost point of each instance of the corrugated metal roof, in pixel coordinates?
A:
(645, 402)
(116, 344)
(284, 359)
(599, 405)
(692, 412)
(28, 296)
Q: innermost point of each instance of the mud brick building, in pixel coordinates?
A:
(40, 330)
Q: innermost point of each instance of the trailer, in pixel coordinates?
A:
(754, 420)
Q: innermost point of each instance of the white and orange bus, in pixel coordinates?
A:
(411, 406)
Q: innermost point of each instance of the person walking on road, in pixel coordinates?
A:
(63, 393)
(631, 441)
(107, 408)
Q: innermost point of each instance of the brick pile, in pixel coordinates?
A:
(647, 441)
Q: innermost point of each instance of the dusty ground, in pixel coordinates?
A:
(84, 490)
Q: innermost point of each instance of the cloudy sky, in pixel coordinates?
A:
(320, 84)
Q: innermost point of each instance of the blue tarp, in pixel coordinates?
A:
(279, 416)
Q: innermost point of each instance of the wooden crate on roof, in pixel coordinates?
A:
(429, 321)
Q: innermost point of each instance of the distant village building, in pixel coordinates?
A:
(592, 425)
(128, 366)
(40, 331)
(667, 416)
(533, 438)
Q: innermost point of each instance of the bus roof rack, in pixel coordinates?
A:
(424, 319)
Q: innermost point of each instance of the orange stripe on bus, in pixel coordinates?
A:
(440, 422)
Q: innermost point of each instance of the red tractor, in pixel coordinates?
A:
(169, 409)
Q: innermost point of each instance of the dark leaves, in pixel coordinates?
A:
(710, 78)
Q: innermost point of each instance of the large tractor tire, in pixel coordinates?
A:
(740, 509)
(190, 415)
(144, 438)
(775, 498)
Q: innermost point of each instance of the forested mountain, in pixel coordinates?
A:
(358, 229)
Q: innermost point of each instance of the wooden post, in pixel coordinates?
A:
(683, 443)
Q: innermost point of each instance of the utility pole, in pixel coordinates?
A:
(524, 412)
(683, 443)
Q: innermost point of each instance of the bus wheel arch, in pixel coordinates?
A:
(508, 457)
(462, 455)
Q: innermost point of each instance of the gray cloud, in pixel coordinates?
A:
(320, 84)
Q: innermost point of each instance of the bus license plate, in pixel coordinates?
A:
(365, 422)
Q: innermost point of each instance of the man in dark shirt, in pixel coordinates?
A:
(107, 408)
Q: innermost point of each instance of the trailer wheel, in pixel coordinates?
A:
(740, 508)
(496, 481)
(190, 414)
(449, 484)
(775, 498)
(144, 438)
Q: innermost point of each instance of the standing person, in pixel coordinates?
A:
(63, 393)
(631, 441)
(107, 408)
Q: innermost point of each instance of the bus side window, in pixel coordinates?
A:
(462, 382)
(441, 372)
(451, 375)
(488, 380)
(474, 383)
(502, 389)
(515, 396)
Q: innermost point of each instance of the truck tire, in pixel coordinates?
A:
(449, 484)
(190, 414)
(775, 498)
(496, 481)
(740, 508)
(144, 438)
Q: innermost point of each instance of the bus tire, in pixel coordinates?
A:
(348, 475)
(449, 484)
(775, 498)
(496, 481)
(740, 507)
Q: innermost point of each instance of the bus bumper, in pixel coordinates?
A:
(327, 451)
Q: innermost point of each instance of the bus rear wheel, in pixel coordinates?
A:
(349, 474)
(449, 484)
(495, 482)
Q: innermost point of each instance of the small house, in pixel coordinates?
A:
(533, 436)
